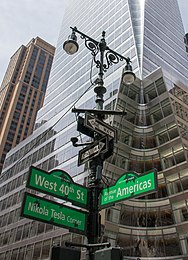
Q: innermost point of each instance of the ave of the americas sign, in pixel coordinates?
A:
(59, 184)
(51, 212)
(128, 186)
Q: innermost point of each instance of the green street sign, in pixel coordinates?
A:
(128, 186)
(58, 184)
(51, 212)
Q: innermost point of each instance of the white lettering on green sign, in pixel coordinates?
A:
(129, 185)
(41, 181)
(44, 210)
(59, 184)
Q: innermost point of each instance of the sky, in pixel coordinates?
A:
(22, 20)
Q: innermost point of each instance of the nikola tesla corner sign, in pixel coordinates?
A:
(54, 213)
(58, 184)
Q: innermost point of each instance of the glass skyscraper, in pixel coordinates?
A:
(154, 133)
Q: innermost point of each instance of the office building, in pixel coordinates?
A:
(152, 135)
(22, 92)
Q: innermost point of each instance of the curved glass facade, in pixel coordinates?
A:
(150, 137)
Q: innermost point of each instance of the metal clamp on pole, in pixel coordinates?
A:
(98, 112)
(88, 246)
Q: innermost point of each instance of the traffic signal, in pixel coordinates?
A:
(112, 253)
(64, 253)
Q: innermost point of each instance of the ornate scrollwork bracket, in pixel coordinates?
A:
(107, 56)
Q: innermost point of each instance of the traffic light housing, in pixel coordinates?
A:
(64, 253)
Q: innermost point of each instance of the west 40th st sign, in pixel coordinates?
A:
(58, 184)
(129, 185)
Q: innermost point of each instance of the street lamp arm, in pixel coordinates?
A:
(90, 43)
(111, 57)
(84, 36)
(121, 58)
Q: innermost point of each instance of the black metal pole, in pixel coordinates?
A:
(96, 164)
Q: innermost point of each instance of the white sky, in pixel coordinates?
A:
(22, 20)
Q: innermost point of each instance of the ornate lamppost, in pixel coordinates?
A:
(103, 57)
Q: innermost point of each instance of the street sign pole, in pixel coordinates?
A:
(104, 57)
(96, 165)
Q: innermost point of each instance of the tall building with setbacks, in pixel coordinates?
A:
(22, 92)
